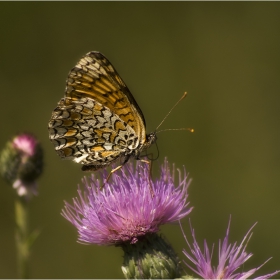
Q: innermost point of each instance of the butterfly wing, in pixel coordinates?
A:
(98, 120)
(89, 133)
(96, 78)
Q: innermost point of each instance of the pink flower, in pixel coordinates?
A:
(124, 210)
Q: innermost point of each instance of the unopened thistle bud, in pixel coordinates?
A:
(21, 162)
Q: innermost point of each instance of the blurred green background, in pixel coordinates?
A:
(225, 55)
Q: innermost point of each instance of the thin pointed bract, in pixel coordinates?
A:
(124, 209)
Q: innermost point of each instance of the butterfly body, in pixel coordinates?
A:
(98, 121)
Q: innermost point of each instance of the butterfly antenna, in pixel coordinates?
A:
(184, 95)
(183, 128)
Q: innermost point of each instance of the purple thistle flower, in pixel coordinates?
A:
(231, 257)
(26, 143)
(124, 209)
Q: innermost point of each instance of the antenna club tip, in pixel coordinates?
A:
(191, 130)
(185, 94)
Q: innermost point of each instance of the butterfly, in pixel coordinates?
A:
(98, 120)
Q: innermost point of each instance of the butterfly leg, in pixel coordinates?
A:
(110, 174)
(97, 167)
(114, 170)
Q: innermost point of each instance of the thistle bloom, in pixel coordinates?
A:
(21, 162)
(231, 257)
(124, 210)
(25, 143)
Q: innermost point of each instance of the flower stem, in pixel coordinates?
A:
(21, 236)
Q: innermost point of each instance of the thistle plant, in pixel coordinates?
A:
(231, 257)
(21, 163)
(125, 214)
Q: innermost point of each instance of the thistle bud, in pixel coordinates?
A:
(21, 163)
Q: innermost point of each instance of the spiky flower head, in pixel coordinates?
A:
(230, 258)
(21, 162)
(124, 210)
(128, 212)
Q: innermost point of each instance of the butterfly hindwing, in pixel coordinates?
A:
(89, 133)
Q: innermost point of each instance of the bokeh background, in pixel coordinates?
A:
(225, 55)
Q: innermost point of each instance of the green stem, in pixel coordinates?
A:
(21, 236)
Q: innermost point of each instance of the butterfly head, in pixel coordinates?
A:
(151, 139)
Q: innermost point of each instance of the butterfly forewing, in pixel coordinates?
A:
(95, 77)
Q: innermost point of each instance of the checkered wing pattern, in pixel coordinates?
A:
(98, 120)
